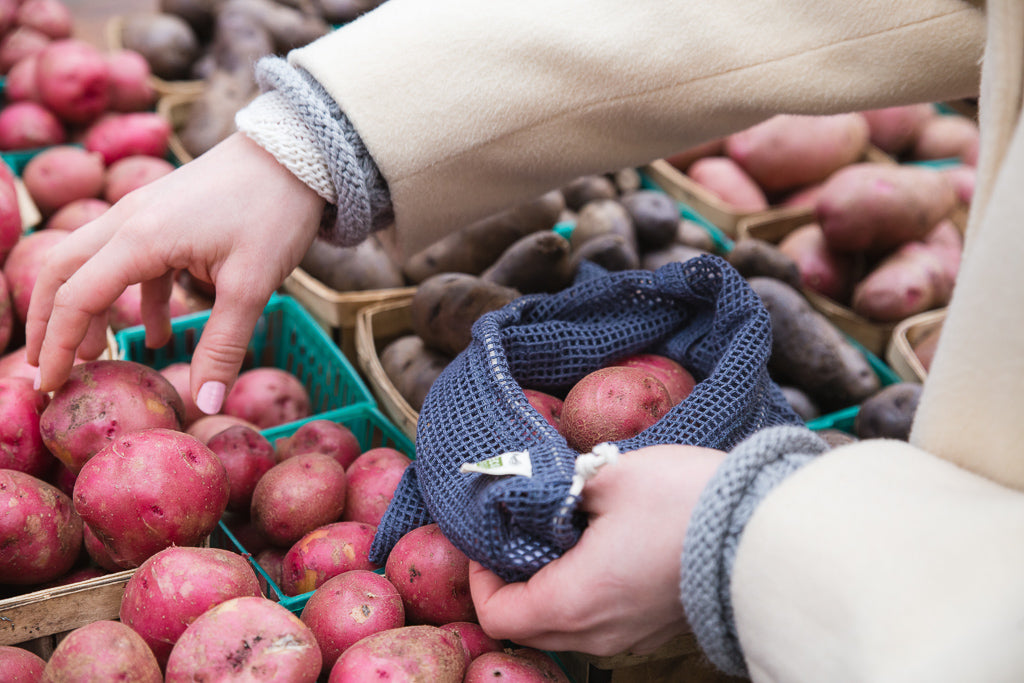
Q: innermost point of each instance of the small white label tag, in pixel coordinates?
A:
(516, 462)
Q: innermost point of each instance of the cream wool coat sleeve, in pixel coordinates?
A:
(880, 561)
(469, 107)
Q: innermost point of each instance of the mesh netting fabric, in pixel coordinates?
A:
(700, 313)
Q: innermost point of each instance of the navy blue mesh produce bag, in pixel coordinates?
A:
(700, 313)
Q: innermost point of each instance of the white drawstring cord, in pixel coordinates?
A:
(587, 464)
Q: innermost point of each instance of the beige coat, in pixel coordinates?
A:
(880, 561)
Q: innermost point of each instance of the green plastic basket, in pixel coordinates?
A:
(285, 337)
(373, 430)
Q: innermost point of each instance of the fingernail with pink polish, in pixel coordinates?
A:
(210, 397)
(37, 381)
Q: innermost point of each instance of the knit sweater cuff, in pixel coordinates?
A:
(298, 122)
(749, 473)
(270, 122)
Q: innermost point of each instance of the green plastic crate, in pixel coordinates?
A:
(285, 337)
(373, 430)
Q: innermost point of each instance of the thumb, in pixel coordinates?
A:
(222, 348)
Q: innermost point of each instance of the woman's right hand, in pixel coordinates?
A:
(233, 217)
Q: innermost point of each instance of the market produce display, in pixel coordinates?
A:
(251, 531)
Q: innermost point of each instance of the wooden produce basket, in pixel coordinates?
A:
(900, 353)
(873, 335)
(56, 610)
(375, 326)
(726, 217)
(114, 29)
(335, 310)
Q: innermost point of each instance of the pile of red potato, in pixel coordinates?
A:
(111, 473)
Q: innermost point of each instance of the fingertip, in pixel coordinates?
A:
(210, 397)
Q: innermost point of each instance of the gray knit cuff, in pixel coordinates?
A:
(363, 202)
(748, 474)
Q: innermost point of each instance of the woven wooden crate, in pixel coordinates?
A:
(338, 311)
(375, 326)
(873, 335)
(900, 354)
(723, 215)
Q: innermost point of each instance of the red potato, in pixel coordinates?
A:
(947, 137)
(131, 86)
(241, 527)
(474, 641)
(208, 426)
(350, 607)
(877, 207)
(98, 552)
(10, 223)
(674, 376)
(102, 651)
(178, 375)
(119, 135)
(247, 456)
(8, 14)
(371, 481)
(895, 129)
(298, 495)
(917, 277)
(21, 444)
(248, 639)
(63, 478)
(77, 213)
(522, 665)
(19, 43)
(23, 263)
(151, 489)
(822, 270)
(174, 587)
(271, 561)
(410, 653)
(268, 397)
(126, 311)
(18, 664)
(682, 159)
(132, 172)
(62, 174)
(73, 80)
(432, 575)
(29, 125)
(20, 85)
(610, 404)
(102, 400)
(727, 180)
(324, 553)
(76, 576)
(550, 407)
(324, 437)
(788, 151)
(40, 532)
(51, 17)
(6, 314)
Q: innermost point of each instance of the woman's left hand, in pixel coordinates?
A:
(617, 589)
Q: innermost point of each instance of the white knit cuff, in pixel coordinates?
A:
(272, 124)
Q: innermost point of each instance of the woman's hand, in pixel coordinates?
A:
(617, 589)
(233, 217)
